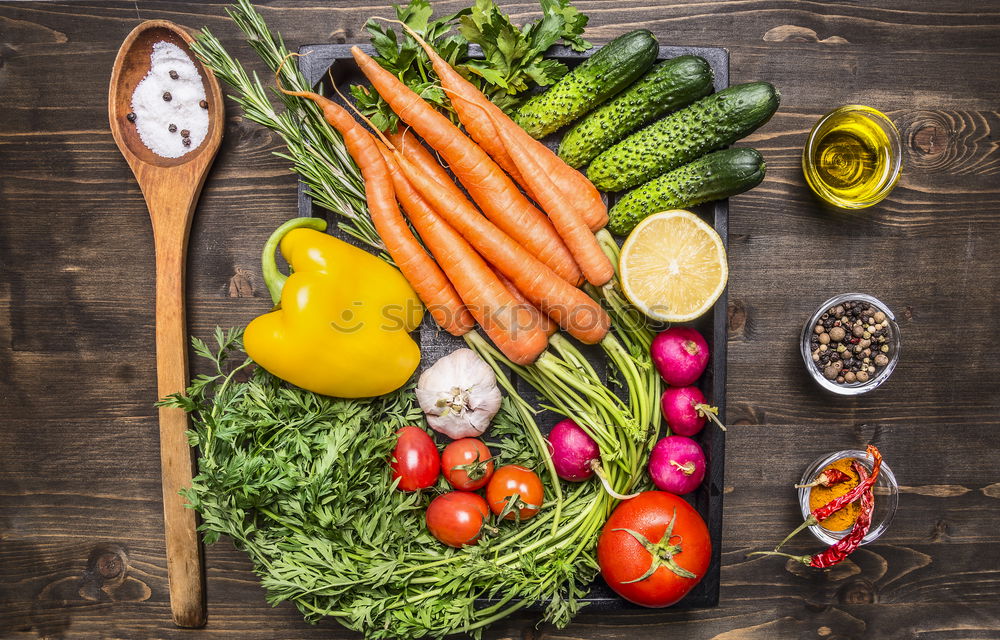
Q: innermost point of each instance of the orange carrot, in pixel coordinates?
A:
(568, 306)
(498, 197)
(569, 223)
(418, 268)
(512, 326)
(542, 320)
(411, 147)
(574, 187)
(482, 124)
(418, 156)
(408, 144)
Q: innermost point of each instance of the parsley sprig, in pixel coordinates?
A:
(512, 59)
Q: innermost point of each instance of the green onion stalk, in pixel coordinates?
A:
(624, 427)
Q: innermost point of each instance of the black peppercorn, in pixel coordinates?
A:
(130, 117)
(173, 74)
(186, 142)
(185, 133)
(172, 128)
(845, 337)
(167, 97)
(203, 104)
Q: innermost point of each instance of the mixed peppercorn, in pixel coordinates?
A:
(851, 342)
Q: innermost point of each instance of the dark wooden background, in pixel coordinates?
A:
(79, 477)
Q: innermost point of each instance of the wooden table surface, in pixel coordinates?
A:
(79, 468)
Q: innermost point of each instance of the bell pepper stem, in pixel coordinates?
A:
(273, 278)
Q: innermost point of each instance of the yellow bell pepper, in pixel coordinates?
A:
(341, 327)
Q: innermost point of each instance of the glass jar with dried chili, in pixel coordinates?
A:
(855, 477)
(837, 525)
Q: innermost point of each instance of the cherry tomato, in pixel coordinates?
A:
(510, 481)
(664, 554)
(467, 464)
(415, 460)
(457, 518)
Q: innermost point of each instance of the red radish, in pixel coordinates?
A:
(573, 451)
(680, 355)
(577, 457)
(677, 465)
(686, 411)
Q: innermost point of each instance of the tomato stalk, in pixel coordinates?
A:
(476, 470)
(513, 506)
(661, 553)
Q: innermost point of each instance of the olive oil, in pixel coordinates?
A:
(853, 158)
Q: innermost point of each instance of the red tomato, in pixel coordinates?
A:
(679, 562)
(415, 460)
(457, 518)
(515, 480)
(467, 464)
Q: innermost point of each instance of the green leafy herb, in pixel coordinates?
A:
(512, 59)
(301, 483)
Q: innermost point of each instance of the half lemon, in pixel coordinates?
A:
(673, 266)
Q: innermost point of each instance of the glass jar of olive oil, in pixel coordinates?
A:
(853, 157)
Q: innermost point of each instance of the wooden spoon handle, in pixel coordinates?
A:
(184, 553)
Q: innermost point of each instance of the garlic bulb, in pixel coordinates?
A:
(459, 394)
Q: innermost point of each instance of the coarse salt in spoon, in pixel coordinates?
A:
(171, 187)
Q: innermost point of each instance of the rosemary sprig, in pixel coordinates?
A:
(315, 149)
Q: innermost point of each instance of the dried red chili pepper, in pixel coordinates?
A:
(842, 548)
(828, 509)
(827, 478)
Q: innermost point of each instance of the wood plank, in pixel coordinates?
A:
(78, 461)
(944, 25)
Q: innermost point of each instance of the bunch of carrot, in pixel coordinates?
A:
(498, 261)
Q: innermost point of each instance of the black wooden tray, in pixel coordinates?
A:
(435, 343)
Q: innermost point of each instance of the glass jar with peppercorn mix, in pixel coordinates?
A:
(850, 345)
(812, 493)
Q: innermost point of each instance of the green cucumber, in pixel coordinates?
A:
(711, 123)
(668, 86)
(718, 175)
(612, 68)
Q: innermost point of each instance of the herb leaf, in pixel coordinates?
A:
(512, 60)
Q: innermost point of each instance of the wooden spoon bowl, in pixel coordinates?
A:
(171, 187)
(131, 66)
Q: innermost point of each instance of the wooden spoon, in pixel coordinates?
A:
(171, 187)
